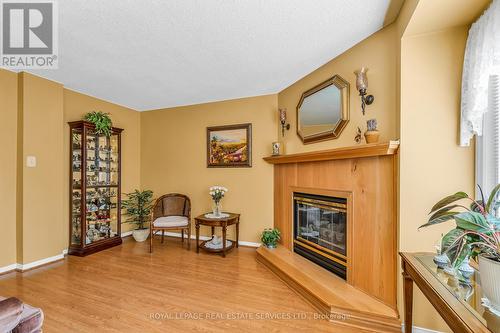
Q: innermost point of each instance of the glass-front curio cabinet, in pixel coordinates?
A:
(95, 169)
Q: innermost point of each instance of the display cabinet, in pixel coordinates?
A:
(95, 188)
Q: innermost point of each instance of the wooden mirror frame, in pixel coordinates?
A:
(343, 86)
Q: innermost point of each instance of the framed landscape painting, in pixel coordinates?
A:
(229, 146)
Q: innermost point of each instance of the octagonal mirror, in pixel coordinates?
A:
(323, 111)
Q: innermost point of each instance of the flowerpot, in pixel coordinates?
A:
(372, 136)
(490, 275)
(140, 235)
(270, 246)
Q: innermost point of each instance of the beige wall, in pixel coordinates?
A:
(173, 158)
(432, 165)
(8, 135)
(76, 105)
(35, 201)
(42, 186)
(378, 52)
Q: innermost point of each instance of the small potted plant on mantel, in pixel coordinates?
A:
(371, 134)
(270, 237)
(138, 209)
(477, 236)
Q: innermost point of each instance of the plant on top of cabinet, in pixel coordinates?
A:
(101, 120)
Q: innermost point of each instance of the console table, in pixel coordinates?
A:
(223, 222)
(458, 302)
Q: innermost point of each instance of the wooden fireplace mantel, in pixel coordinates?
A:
(368, 150)
(368, 175)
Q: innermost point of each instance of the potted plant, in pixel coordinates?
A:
(477, 235)
(138, 209)
(101, 120)
(371, 134)
(270, 237)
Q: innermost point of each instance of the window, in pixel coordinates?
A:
(488, 144)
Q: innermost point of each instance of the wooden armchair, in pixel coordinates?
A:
(171, 212)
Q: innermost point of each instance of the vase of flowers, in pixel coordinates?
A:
(217, 193)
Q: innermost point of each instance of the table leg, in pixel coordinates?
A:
(224, 227)
(237, 233)
(408, 301)
(197, 238)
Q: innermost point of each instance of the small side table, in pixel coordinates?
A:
(223, 223)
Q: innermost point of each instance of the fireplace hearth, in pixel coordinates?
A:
(320, 230)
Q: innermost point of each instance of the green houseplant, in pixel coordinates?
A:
(476, 235)
(138, 209)
(101, 120)
(270, 237)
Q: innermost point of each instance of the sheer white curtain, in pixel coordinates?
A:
(488, 144)
(482, 60)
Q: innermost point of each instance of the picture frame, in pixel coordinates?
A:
(229, 146)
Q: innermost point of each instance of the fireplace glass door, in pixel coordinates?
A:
(320, 230)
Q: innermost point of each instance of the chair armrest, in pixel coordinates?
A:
(10, 313)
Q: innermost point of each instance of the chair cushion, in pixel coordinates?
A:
(170, 221)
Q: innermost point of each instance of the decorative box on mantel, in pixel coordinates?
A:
(336, 209)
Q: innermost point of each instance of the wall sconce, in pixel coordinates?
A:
(284, 125)
(361, 86)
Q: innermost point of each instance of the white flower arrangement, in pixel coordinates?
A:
(217, 193)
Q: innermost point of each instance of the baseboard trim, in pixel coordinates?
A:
(34, 264)
(8, 269)
(178, 235)
(41, 262)
(417, 329)
(126, 233)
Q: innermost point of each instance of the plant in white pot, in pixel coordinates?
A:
(477, 235)
(138, 209)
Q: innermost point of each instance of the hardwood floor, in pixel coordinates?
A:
(125, 289)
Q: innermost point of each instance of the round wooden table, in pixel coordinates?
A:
(223, 222)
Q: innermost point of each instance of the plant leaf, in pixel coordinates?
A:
(451, 242)
(472, 221)
(492, 198)
(477, 206)
(463, 252)
(448, 200)
(439, 217)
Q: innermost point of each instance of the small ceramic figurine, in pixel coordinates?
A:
(465, 269)
(276, 148)
(441, 260)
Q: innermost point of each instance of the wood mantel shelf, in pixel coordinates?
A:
(368, 150)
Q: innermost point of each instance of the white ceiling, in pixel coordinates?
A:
(155, 54)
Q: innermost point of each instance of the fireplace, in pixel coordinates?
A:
(320, 230)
